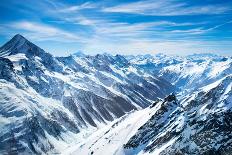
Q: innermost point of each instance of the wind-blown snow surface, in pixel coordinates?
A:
(47, 102)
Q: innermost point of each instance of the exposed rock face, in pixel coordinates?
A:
(168, 110)
(198, 124)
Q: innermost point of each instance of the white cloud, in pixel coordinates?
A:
(70, 9)
(165, 8)
(199, 30)
(109, 28)
(44, 32)
(82, 20)
(189, 31)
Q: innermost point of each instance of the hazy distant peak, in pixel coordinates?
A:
(79, 54)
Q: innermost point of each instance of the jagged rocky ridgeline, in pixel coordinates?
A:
(44, 99)
(201, 123)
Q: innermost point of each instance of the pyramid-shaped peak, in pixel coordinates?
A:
(13, 45)
(17, 40)
(19, 44)
(19, 37)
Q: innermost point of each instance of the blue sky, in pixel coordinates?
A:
(121, 26)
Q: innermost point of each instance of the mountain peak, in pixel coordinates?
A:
(170, 98)
(19, 44)
(79, 54)
(18, 37)
(12, 46)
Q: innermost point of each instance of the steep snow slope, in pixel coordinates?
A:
(199, 124)
(110, 139)
(45, 99)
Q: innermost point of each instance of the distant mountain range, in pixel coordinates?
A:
(113, 104)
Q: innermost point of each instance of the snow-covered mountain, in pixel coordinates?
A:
(105, 104)
(48, 102)
(187, 73)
